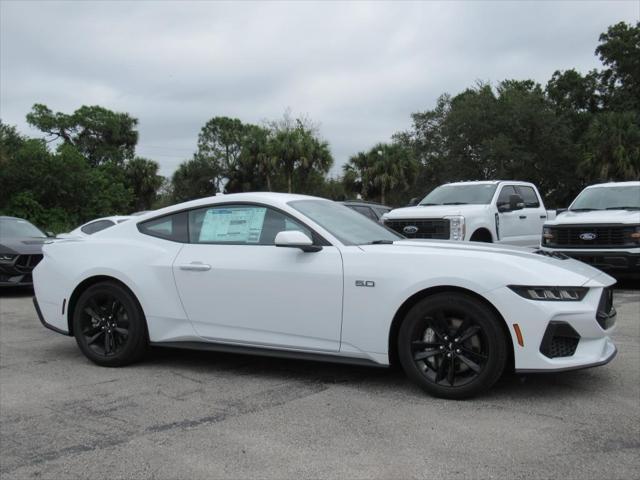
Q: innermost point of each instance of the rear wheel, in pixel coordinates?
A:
(452, 345)
(109, 325)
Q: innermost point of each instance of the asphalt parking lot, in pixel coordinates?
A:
(185, 414)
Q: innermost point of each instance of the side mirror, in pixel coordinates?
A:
(561, 210)
(516, 202)
(413, 202)
(296, 239)
(50, 234)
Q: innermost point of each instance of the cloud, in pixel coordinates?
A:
(358, 69)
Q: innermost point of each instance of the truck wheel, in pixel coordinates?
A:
(481, 235)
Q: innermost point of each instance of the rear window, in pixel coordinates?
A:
(94, 227)
(170, 227)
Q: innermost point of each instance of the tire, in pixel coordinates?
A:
(456, 330)
(109, 325)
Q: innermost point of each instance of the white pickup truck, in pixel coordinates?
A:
(497, 211)
(601, 227)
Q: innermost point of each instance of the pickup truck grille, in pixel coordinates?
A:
(437, 228)
(585, 236)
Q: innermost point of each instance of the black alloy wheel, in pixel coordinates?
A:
(452, 345)
(105, 325)
(109, 325)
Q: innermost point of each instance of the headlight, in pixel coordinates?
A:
(456, 227)
(635, 236)
(555, 294)
(547, 235)
(7, 257)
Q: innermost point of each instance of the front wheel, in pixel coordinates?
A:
(452, 345)
(109, 325)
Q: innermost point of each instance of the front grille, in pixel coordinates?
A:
(599, 236)
(26, 263)
(559, 340)
(561, 347)
(606, 315)
(422, 228)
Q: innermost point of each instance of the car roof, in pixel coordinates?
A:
(616, 184)
(489, 182)
(273, 198)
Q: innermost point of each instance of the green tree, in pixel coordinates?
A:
(298, 152)
(385, 172)
(99, 134)
(619, 51)
(220, 143)
(612, 147)
(195, 179)
(143, 179)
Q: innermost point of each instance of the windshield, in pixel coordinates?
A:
(348, 226)
(608, 198)
(18, 228)
(476, 194)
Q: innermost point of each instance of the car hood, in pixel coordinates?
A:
(519, 265)
(596, 217)
(22, 246)
(433, 211)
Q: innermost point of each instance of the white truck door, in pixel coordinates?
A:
(534, 212)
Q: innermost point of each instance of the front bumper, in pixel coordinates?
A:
(17, 273)
(22, 280)
(558, 336)
(610, 261)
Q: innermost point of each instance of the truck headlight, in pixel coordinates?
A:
(547, 235)
(554, 294)
(635, 236)
(456, 227)
(7, 257)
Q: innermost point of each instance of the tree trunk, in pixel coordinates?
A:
(382, 194)
(268, 182)
(289, 181)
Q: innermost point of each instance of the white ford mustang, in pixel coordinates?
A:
(304, 277)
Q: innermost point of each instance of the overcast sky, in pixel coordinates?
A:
(357, 69)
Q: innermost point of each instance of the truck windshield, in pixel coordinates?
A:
(608, 198)
(477, 194)
(348, 226)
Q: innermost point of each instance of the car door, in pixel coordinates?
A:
(237, 286)
(509, 222)
(535, 215)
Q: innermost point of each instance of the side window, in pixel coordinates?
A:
(366, 211)
(170, 227)
(529, 196)
(505, 193)
(94, 227)
(239, 224)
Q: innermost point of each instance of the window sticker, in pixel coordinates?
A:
(237, 225)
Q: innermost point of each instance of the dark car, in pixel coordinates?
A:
(20, 251)
(372, 210)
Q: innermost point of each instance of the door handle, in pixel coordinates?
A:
(195, 267)
(522, 217)
(543, 216)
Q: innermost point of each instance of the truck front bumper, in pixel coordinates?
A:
(611, 261)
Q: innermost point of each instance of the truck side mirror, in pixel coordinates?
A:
(516, 202)
(413, 202)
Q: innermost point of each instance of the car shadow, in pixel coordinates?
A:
(384, 381)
